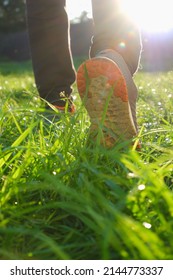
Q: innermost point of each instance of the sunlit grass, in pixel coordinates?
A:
(63, 199)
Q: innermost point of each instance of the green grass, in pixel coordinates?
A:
(63, 199)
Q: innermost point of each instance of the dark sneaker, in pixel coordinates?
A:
(53, 111)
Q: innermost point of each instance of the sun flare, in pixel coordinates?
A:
(151, 15)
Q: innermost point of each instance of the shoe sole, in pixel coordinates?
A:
(103, 89)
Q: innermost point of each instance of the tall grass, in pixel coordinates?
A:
(64, 199)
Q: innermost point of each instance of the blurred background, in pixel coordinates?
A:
(157, 41)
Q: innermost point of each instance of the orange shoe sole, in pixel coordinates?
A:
(103, 90)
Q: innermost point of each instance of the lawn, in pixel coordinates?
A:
(64, 199)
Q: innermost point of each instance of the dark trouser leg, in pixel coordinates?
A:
(48, 28)
(114, 30)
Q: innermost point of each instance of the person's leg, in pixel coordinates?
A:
(48, 29)
(105, 81)
(114, 30)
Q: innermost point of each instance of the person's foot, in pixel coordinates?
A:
(53, 110)
(67, 107)
(109, 94)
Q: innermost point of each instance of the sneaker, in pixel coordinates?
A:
(70, 109)
(53, 110)
(109, 94)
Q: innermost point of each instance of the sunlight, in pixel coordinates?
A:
(151, 15)
(75, 8)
